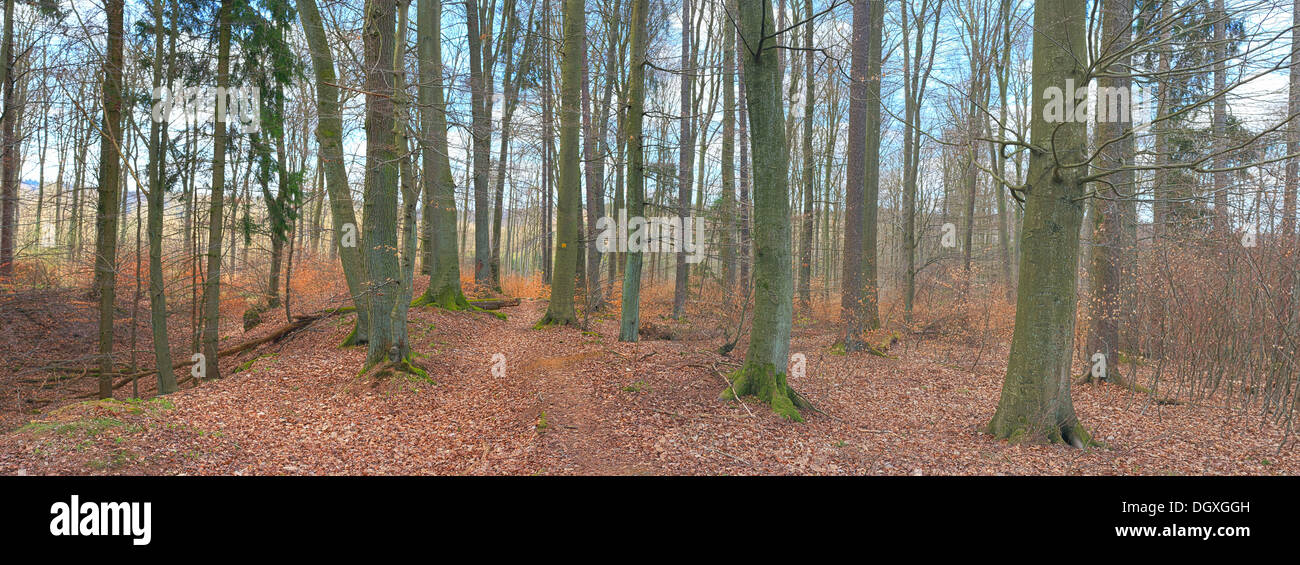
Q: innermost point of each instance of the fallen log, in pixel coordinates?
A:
(495, 303)
(298, 323)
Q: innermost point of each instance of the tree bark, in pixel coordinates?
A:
(763, 374)
(381, 251)
(157, 187)
(439, 186)
(1035, 404)
(329, 134)
(110, 167)
(629, 324)
(560, 311)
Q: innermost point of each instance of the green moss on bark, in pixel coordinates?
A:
(763, 382)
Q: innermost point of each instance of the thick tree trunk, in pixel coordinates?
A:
(1035, 404)
(764, 372)
(862, 185)
(439, 186)
(381, 251)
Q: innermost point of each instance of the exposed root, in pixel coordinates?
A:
(766, 384)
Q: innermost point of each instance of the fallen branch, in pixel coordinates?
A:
(299, 323)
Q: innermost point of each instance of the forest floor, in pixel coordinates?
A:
(573, 402)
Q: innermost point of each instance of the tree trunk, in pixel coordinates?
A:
(560, 310)
(809, 218)
(157, 186)
(329, 134)
(686, 164)
(862, 185)
(9, 179)
(1035, 404)
(481, 128)
(380, 208)
(110, 167)
(764, 372)
(629, 324)
(212, 284)
(728, 205)
(439, 185)
(1110, 247)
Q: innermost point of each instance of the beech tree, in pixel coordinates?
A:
(1035, 404)
(763, 374)
(387, 336)
(561, 311)
(634, 118)
(862, 185)
(329, 136)
(439, 186)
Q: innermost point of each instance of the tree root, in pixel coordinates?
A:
(766, 384)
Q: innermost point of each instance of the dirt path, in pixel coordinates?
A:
(567, 381)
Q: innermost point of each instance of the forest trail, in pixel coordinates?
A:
(565, 387)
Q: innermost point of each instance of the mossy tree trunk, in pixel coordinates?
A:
(1035, 404)
(560, 310)
(443, 262)
(763, 374)
(634, 120)
(329, 134)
